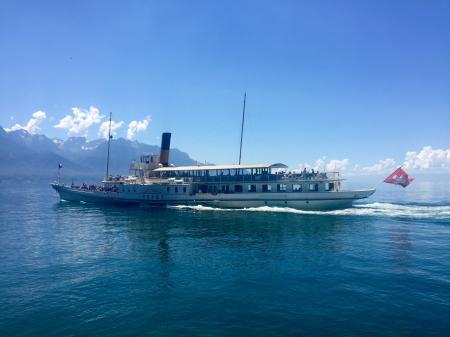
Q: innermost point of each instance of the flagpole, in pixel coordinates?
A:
(109, 146)
(242, 128)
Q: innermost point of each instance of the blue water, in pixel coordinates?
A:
(381, 268)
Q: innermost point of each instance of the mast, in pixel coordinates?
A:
(109, 145)
(242, 128)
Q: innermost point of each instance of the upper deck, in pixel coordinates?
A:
(243, 173)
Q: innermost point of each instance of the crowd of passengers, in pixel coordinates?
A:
(95, 188)
(304, 174)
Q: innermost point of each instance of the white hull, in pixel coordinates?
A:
(144, 195)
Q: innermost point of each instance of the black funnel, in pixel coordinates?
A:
(165, 149)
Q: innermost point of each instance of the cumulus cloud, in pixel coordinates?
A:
(104, 128)
(80, 120)
(33, 124)
(337, 165)
(428, 159)
(382, 166)
(317, 166)
(322, 165)
(137, 126)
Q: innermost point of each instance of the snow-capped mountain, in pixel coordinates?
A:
(22, 153)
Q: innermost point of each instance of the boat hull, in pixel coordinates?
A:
(304, 201)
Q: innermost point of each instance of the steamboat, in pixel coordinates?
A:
(152, 181)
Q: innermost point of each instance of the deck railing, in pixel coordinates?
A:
(262, 177)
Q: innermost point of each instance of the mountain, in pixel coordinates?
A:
(35, 143)
(23, 154)
(123, 151)
(31, 155)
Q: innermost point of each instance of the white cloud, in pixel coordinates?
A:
(80, 120)
(428, 159)
(317, 166)
(137, 126)
(32, 125)
(322, 165)
(337, 165)
(383, 166)
(104, 128)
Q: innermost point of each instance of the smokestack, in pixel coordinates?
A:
(165, 149)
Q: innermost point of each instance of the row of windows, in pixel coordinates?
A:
(153, 196)
(313, 187)
(282, 188)
(176, 189)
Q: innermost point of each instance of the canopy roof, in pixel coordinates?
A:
(219, 167)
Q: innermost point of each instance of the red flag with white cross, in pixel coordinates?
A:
(399, 177)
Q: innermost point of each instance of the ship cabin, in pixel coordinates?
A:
(255, 178)
(145, 168)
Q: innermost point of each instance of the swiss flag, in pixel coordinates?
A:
(399, 177)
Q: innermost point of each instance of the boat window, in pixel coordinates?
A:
(281, 187)
(252, 188)
(266, 188)
(329, 186)
(168, 189)
(238, 188)
(313, 187)
(296, 187)
(184, 189)
(176, 189)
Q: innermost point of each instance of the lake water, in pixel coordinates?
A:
(380, 268)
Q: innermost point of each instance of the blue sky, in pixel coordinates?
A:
(356, 80)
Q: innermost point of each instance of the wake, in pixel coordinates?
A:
(379, 209)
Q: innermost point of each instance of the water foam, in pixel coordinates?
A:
(373, 209)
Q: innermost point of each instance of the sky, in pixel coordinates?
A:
(356, 85)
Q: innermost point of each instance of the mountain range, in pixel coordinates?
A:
(23, 154)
